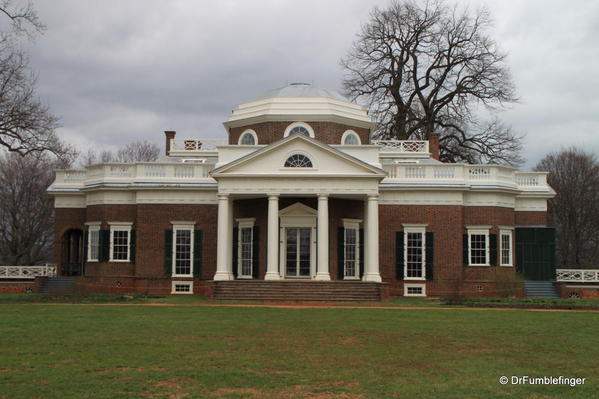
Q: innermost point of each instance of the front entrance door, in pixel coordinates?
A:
(297, 245)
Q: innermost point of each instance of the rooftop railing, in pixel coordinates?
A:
(202, 146)
(27, 272)
(402, 146)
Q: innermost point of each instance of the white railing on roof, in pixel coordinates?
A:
(459, 174)
(578, 275)
(202, 145)
(403, 146)
(531, 179)
(27, 272)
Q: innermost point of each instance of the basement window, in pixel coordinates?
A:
(182, 287)
(414, 290)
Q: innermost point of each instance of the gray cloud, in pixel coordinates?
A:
(117, 71)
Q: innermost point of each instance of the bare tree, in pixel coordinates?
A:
(137, 151)
(428, 67)
(26, 209)
(574, 175)
(26, 125)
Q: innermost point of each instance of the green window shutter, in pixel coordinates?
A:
(132, 237)
(430, 255)
(198, 251)
(235, 250)
(361, 249)
(85, 245)
(493, 249)
(341, 253)
(399, 255)
(168, 252)
(465, 250)
(103, 245)
(256, 253)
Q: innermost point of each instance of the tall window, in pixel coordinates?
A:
(478, 247)
(298, 161)
(183, 251)
(120, 236)
(245, 251)
(93, 242)
(351, 247)
(505, 247)
(414, 253)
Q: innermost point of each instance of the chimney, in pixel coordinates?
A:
(433, 145)
(170, 135)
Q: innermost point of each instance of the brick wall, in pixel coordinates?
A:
(17, 286)
(327, 132)
(530, 218)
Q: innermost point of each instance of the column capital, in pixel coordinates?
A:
(322, 195)
(222, 196)
(372, 197)
(272, 196)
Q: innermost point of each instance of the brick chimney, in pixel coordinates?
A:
(433, 145)
(170, 134)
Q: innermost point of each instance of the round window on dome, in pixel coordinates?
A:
(350, 138)
(300, 130)
(248, 137)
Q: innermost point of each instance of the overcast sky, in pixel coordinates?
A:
(118, 71)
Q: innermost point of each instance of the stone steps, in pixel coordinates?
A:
(297, 290)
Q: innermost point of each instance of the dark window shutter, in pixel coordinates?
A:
(399, 255)
(103, 245)
(341, 253)
(132, 237)
(168, 252)
(235, 250)
(255, 253)
(85, 244)
(430, 255)
(361, 249)
(198, 250)
(493, 249)
(465, 250)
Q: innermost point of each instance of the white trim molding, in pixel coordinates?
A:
(503, 234)
(478, 231)
(120, 226)
(414, 229)
(182, 287)
(351, 224)
(349, 133)
(412, 289)
(182, 226)
(299, 124)
(252, 133)
(245, 223)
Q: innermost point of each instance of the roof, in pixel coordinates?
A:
(302, 90)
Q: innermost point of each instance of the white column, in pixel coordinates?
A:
(230, 264)
(272, 252)
(371, 238)
(322, 241)
(223, 271)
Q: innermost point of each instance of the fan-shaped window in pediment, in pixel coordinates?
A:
(298, 161)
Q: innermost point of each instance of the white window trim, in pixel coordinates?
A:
(92, 226)
(482, 230)
(187, 283)
(352, 224)
(350, 133)
(406, 286)
(251, 132)
(120, 226)
(182, 226)
(414, 228)
(506, 231)
(245, 223)
(296, 124)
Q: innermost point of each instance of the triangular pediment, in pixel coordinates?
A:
(325, 161)
(298, 209)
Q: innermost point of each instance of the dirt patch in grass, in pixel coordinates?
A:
(295, 392)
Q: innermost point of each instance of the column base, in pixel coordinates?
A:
(223, 276)
(272, 276)
(322, 277)
(372, 277)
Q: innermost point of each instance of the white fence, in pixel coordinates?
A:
(578, 275)
(27, 272)
(402, 146)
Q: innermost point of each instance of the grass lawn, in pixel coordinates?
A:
(105, 351)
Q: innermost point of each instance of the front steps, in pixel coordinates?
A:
(260, 290)
(58, 286)
(540, 289)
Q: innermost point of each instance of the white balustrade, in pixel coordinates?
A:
(27, 272)
(578, 275)
(208, 144)
(405, 146)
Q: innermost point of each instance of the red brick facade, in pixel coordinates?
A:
(530, 218)
(327, 132)
(447, 223)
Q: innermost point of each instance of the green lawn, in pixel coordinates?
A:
(105, 351)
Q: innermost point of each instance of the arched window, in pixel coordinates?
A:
(300, 130)
(248, 137)
(350, 138)
(298, 161)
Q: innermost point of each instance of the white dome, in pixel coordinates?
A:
(300, 102)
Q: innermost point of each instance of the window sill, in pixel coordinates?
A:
(351, 278)
(415, 278)
(245, 278)
(182, 275)
(119, 261)
(506, 265)
(479, 265)
(92, 261)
